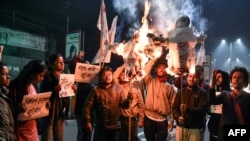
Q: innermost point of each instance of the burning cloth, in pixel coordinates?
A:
(129, 58)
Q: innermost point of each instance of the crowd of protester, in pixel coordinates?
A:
(114, 108)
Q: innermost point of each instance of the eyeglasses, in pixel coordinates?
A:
(5, 75)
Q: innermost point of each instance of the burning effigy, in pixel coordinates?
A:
(180, 42)
(181, 45)
(146, 44)
(138, 50)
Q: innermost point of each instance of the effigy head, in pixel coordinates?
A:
(182, 21)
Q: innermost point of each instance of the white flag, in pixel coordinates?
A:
(102, 25)
(113, 30)
(109, 36)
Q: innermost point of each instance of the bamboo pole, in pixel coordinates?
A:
(182, 113)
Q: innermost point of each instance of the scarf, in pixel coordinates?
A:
(162, 78)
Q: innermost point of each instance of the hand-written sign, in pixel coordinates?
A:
(66, 82)
(86, 72)
(216, 109)
(34, 106)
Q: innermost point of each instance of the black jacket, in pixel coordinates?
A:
(106, 104)
(197, 104)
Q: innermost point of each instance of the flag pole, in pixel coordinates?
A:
(130, 110)
(101, 14)
(182, 113)
(129, 122)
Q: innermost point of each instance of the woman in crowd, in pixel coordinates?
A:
(53, 124)
(26, 84)
(222, 83)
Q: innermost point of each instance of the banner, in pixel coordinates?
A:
(34, 106)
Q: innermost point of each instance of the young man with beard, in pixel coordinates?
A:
(235, 109)
(134, 116)
(189, 110)
(158, 102)
(106, 100)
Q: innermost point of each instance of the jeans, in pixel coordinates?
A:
(155, 130)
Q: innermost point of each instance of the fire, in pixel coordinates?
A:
(142, 47)
(192, 69)
(139, 48)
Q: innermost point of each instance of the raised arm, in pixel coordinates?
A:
(147, 69)
(117, 73)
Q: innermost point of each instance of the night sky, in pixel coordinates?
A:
(229, 19)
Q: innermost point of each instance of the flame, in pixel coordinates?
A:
(144, 47)
(140, 47)
(120, 49)
(192, 69)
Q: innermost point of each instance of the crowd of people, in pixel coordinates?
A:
(114, 108)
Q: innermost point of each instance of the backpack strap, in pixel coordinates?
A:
(237, 109)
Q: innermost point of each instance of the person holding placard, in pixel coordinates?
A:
(26, 84)
(222, 83)
(53, 124)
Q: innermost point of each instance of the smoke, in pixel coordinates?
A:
(161, 16)
(130, 13)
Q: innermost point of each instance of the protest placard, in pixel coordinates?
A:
(66, 81)
(86, 72)
(34, 106)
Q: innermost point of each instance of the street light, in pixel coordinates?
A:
(230, 54)
(233, 58)
(226, 53)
